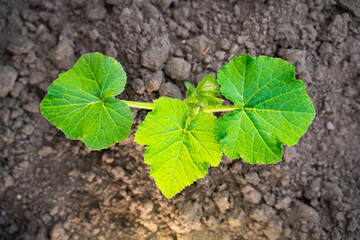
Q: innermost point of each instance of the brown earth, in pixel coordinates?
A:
(55, 188)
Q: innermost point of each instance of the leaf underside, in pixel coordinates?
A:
(178, 151)
(274, 108)
(82, 103)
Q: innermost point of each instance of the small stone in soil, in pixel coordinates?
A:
(241, 39)
(337, 31)
(273, 230)
(154, 82)
(77, 3)
(224, 44)
(303, 211)
(48, 40)
(94, 35)
(58, 233)
(95, 11)
(335, 235)
(350, 91)
(28, 129)
(36, 77)
(351, 6)
(313, 189)
(252, 178)
(15, 92)
(13, 228)
(251, 195)
(33, 106)
(90, 176)
(220, 55)
(213, 223)
(294, 56)
(157, 53)
(222, 201)
(199, 44)
(164, 4)
(283, 203)
(138, 86)
(192, 211)
(15, 113)
(150, 11)
(107, 158)
(20, 45)
(110, 50)
(114, 2)
(178, 69)
(46, 151)
(290, 154)
(63, 55)
(236, 218)
(8, 181)
(8, 76)
(118, 172)
(46, 218)
(259, 215)
(170, 90)
(147, 206)
(352, 225)
(235, 49)
(330, 126)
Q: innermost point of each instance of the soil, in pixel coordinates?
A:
(55, 188)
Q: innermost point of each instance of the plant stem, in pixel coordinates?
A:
(143, 105)
(224, 108)
(151, 106)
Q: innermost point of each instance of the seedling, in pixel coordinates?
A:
(184, 138)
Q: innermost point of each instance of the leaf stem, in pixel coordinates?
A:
(223, 108)
(151, 106)
(143, 105)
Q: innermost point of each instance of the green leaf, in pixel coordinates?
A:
(273, 108)
(188, 85)
(178, 153)
(204, 96)
(82, 103)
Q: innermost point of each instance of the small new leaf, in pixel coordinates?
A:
(204, 96)
(82, 103)
(178, 151)
(273, 108)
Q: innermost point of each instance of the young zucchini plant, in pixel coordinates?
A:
(184, 138)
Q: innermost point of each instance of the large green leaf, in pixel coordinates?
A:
(178, 151)
(82, 103)
(273, 108)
